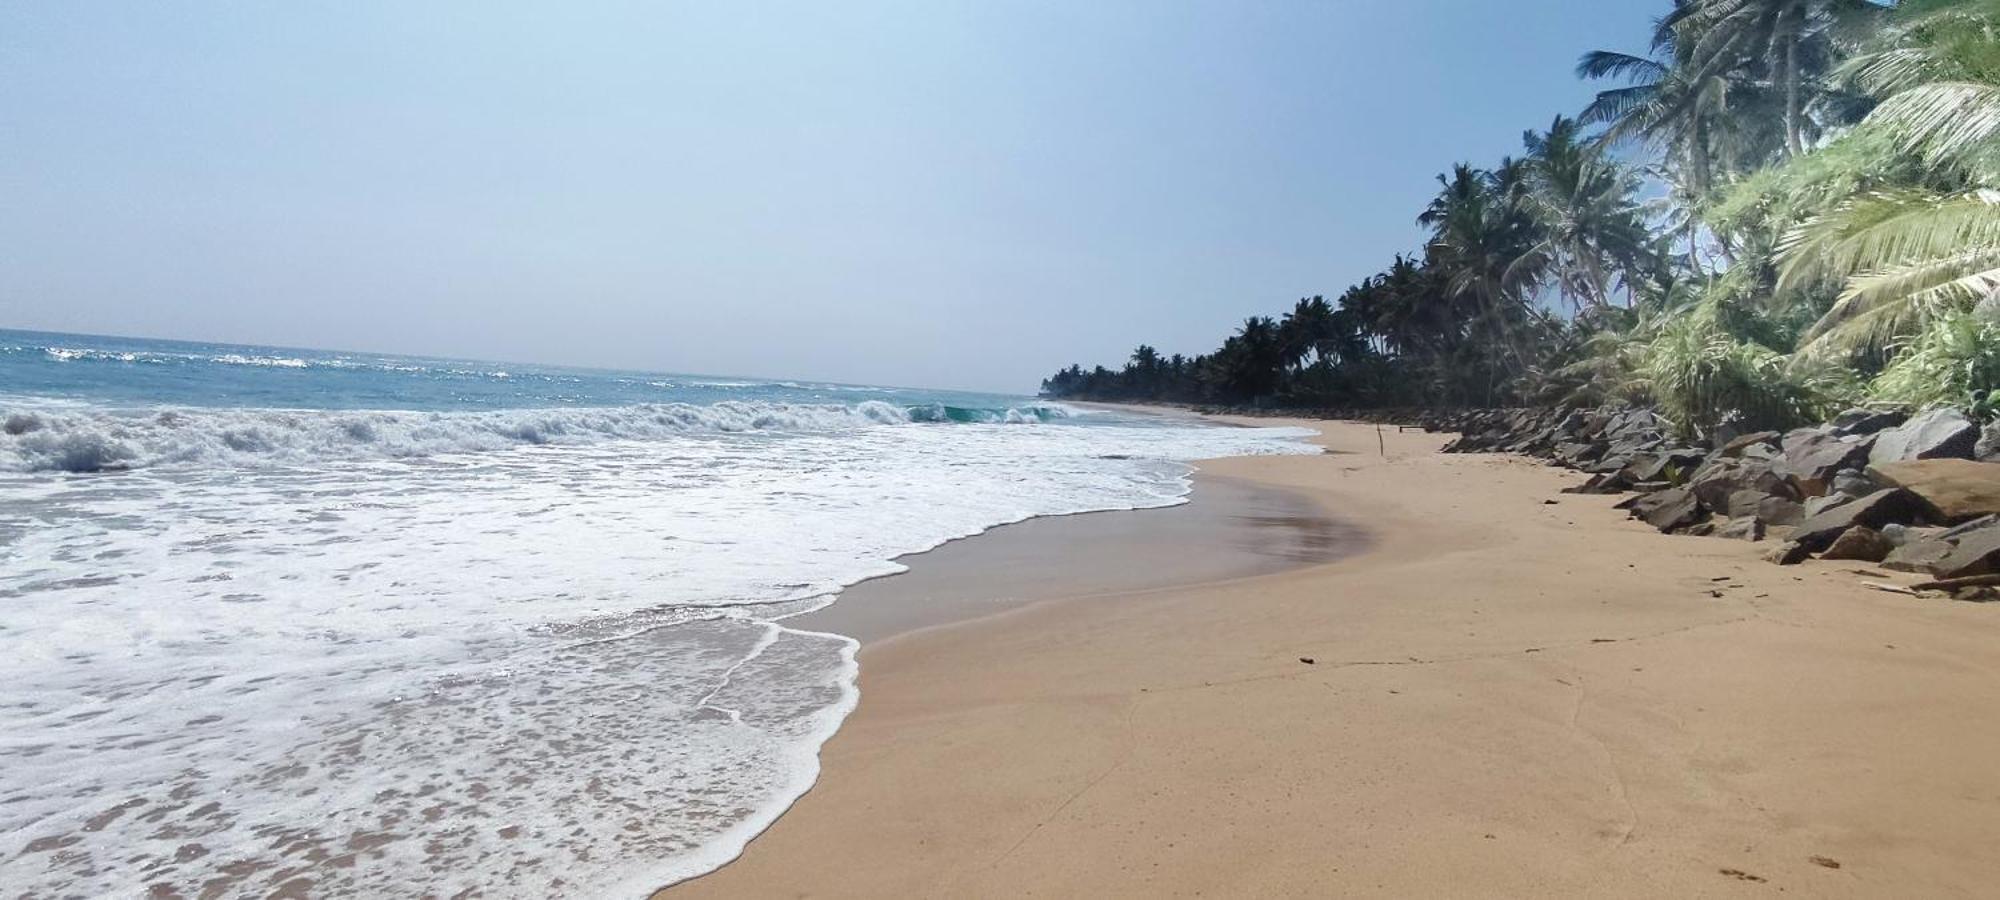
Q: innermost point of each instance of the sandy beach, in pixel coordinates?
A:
(1506, 696)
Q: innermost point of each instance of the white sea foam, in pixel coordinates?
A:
(66, 438)
(547, 668)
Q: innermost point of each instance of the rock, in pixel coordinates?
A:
(1910, 534)
(1721, 479)
(1742, 503)
(1746, 528)
(1780, 511)
(1977, 553)
(1964, 528)
(1700, 529)
(1918, 556)
(1852, 483)
(1988, 446)
(1820, 504)
(1788, 554)
(1859, 542)
(1666, 465)
(1577, 453)
(1866, 421)
(1737, 445)
(1980, 594)
(1601, 483)
(1893, 505)
(1668, 510)
(1943, 433)
(1813, 455)
(1960, 488)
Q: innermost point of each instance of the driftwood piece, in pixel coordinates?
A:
(1952, 584)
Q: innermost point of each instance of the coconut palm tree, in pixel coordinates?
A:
(1908, 255)
(1788, 44)
(1589, 219)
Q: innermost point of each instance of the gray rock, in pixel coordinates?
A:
(1977, 553)
(1741, 503)
(1988, 446)
(1669, 510)
(1965, 528)
(1859, 542)
(1668, 465)
(1943, 433)
(1866, 421)
(1576, 453)
(1719, 480)
(1918, 555)
(1910, 534)
(1740, 443)
(1745, 528)
(1780, 511)
(1813, 455)
(1852, 483)
(1884, 507)
(1789, 554)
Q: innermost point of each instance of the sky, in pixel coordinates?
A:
(935, 193)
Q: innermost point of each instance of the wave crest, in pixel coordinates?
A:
(74, 440)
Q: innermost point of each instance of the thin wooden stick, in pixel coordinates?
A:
(1952, 584)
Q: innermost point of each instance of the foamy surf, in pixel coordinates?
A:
(523, 651)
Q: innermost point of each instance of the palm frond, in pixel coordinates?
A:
(1941, 121)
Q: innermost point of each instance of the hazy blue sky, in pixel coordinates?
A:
(928, 193)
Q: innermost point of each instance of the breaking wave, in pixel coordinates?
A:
(84, 440)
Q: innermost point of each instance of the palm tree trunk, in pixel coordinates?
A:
(1794, 142)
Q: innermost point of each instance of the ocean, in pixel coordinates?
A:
(363, 625)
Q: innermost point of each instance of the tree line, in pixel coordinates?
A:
(1777, 209)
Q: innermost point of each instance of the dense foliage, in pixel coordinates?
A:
(1780, 208)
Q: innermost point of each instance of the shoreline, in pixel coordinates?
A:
(1228, 528)
(1504, 695)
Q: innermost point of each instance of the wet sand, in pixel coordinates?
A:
(1513, 692)
(1229, 528)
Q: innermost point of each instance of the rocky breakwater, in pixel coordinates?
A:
(1915, 493)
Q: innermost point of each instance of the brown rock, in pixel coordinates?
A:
(1859, 542)
(1960, 488)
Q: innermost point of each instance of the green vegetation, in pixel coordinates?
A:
(1781, 208)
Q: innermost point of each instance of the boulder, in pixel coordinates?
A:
(1740, 443)
(1742, 503)
(1893, 505)
(1977, 553)
(1859, 542)
(1666, 465)
(1576, 453)
(1669, 510)
(1919, 555)
(1788, 554)
(1910, 534)
(1866, 421)
(1744, 528)
(1814, 455)
(1942, 433)
(1816, 505)
(1960, 488)
(1780, 511)
(1720, 480)
(1988, 446)
(1853, 483)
